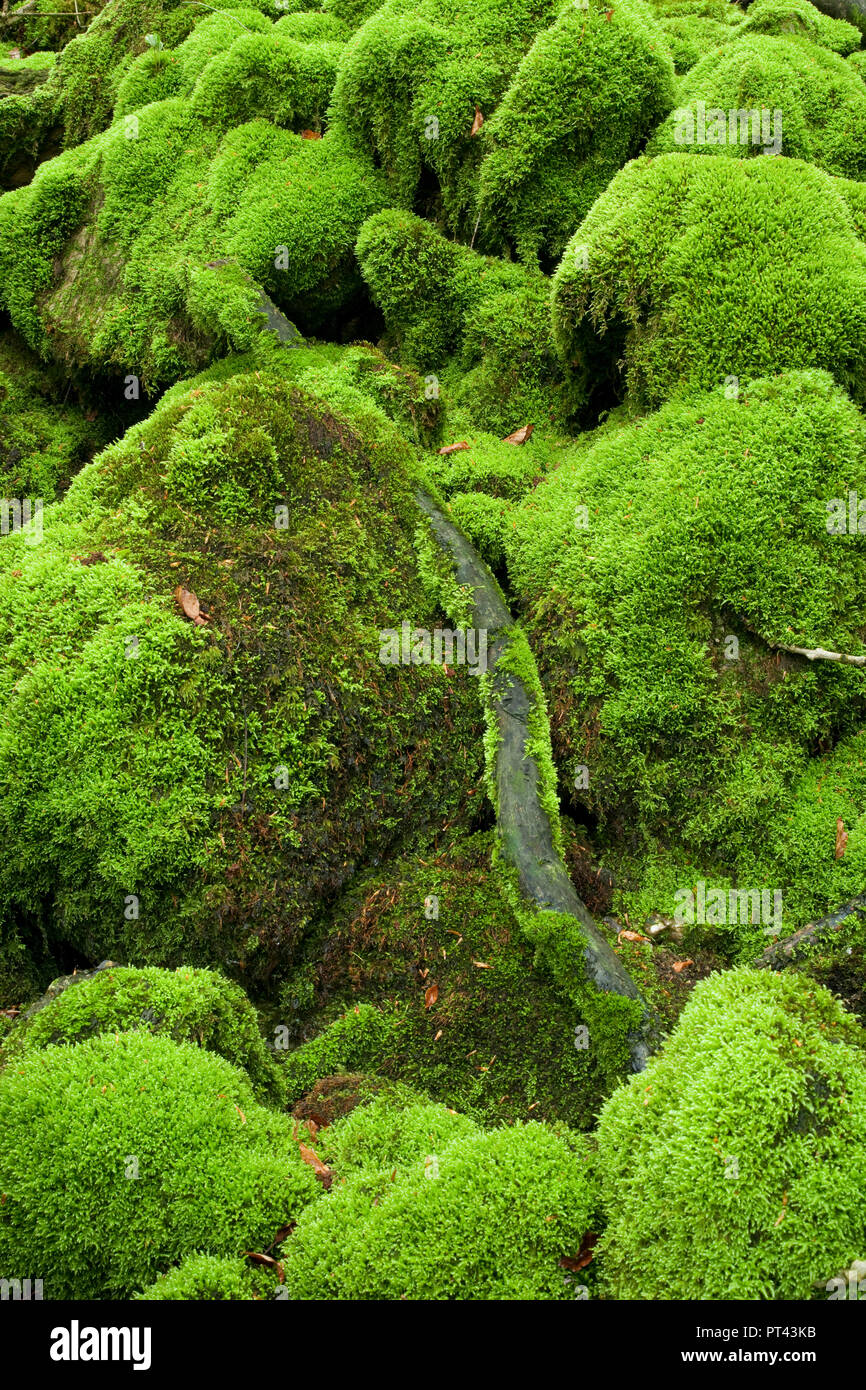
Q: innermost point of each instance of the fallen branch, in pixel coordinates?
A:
(818, 654)
(780, 953)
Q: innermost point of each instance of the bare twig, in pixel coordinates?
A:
(819, 654)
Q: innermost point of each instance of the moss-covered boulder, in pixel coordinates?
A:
(197, 1006)
(584, 98)
(480, 323)
(731, 1169)
(123, 1154)
(667, 573)
(200, 741)
(784, 95)
(211, 1279)
(694, 28)
(801, 19)
(689, 271)
(484, 1216)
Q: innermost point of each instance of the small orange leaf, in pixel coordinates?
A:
(311, 135)
(321, 1170)
(478, 122)
(452, 448)
(841, 838)
(267, 1260)
(681, 965)
(631, 936)
(519, 436)
(584, 1256)
(431, 996)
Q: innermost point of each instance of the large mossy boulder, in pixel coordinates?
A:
(123, 1154)
(689, 271)
(186, 786)
(666, 572)
(732, 1167)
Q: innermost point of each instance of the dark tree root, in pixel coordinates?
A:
(522, 827)
(782, 953)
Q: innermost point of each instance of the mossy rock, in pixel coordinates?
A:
(690, 271)
(583, 100)
(424, 975)
(660, 615)
(731, 1169)
(435, 1226)
(43, 442)
(195, 792)
(785, 94)
(144, 252)
(186, 1005)
(479, 323)
(408, 87)
(801, 19)
(123, 1154)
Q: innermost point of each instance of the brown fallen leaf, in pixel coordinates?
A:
(841, 838)
(452, 448)
(478, 122)
(631, 936)
(313, 1128)
(321, 1170)
(282, 1234)
(95, 557)
(584, 1256)
(311, 135)
(519, 436)
(267, 1260)
(431, 996)
(681, 965)
(190, 605)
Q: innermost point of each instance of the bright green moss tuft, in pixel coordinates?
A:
(808, 104)
(196, 1006)
(736, 1158)
(802, 19)
(211, 1279)
(587, 93)
(123, 1154)
(688, 271)
(437, 1229)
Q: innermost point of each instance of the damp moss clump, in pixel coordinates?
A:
(737, 1156)
(211, 1279)
(192, 791)
(123, 1154)
(689, 271)
(186, 1005)
(436, 1226)
(784, 95)
(589, 91)
(479, 323)
(660, 614)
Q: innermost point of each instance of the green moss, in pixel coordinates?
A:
(491, 466)
(586, 95)
(485, 520)
(123, 1154)
(409, 85)
(497, 1039)
(814, 107)
(736, 1156)
(197, 1006)
(192, 793)
(439, 298)
(669, 282)
(802, 19)
(657, 614)
(437, 1227)
(211, 1279)
(398, 1126)
(42, 441)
